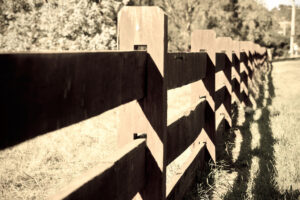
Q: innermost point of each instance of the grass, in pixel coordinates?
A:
(39, 167)
(261, 155)
(285, 124)
(260, 158)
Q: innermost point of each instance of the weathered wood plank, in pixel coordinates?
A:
(236, 77)
(245, 60)
(187, 173)
(220, 96)
(120, 177)
(183, 132)
(42, 92)
(185, 68)
(146, 26)
(221, 61)
(224, 45)
(205, 40)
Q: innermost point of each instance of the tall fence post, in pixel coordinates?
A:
(245, 73)
(236, 78)
(254, 66)
(204, 41)
(223, 83)
(145, 28)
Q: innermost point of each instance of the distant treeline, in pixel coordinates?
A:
(34, 25)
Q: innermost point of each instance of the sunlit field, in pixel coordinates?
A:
(262, 151)
(285, 123)
(40, 167)
(257, 158)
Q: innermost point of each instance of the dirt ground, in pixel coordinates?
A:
(262, 151)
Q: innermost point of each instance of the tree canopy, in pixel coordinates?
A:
(58, 25)
(34, 25)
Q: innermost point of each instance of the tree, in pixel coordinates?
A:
(283, 13)
(91, 24)
(235, 22)
(58, 25)
(182, 17)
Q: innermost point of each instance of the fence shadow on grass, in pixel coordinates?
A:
(263, 185)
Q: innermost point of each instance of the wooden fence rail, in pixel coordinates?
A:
(41, 92)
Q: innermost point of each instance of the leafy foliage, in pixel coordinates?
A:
(182, 17)
(36, 25)
(58, 25)
(240, 20)
(283, 13)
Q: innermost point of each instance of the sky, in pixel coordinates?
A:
(274, 3)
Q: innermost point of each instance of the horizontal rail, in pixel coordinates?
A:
(220, 96)
(183, 132)
(235, 59)
(244, 58)
(244, 78)
(185, 68)
(120, 177)
(42, 92)
(221, 61)
(184, 177)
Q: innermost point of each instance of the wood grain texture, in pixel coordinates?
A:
(187, 173)
(119, 177)
(185, 68)
(47, 91)
(183, 132)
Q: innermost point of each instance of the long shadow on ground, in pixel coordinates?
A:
(264, 185)
(244, 161)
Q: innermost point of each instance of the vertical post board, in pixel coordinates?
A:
(146, 28)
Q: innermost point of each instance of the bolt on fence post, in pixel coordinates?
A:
(204, 41)
(145, 28)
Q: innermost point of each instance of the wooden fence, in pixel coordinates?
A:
(41, 92)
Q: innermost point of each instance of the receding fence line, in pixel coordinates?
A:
(44, 92)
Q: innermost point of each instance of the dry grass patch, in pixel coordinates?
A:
(263, 161)
(285, 122)
(41, 166)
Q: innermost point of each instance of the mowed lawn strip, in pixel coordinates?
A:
(285, 123)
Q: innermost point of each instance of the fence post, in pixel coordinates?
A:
(253, 88)
(204, 40)
(245, 73)
(236, 78)
(223, 82)
(250, 60)
(256, 52)
(145, 28)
